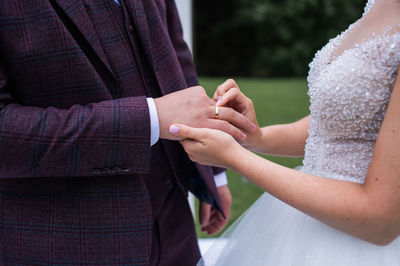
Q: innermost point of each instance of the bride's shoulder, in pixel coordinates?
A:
(383, 48)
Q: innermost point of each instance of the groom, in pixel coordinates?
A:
(88, 172)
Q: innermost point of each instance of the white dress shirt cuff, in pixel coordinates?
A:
(154, 123)
(221, 179)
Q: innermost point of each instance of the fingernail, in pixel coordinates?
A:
(174, 129)
(244, 136)
(218, 100)
(253, 126)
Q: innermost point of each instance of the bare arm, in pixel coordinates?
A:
(370, 211)
(284, 140)
(365, 211)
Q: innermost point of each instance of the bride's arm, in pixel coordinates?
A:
(370, 211)
(281, 140)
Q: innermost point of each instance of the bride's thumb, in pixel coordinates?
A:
(183, 131)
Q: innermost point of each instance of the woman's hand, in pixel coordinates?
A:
(228, 94)
(207, 146)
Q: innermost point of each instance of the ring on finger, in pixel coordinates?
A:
(216, 113)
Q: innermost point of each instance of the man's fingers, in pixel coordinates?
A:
(205, 213)
(217, 222)
(210, 229)
(224, 87)
(228, 128)
(235, 118)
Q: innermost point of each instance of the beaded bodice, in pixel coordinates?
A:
(349, 95)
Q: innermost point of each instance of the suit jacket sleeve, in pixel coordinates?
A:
(218, 170)
(109, 137)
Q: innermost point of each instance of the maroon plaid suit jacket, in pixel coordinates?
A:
(72, 150)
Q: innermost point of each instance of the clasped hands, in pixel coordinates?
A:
(189, 116)
(192, 107)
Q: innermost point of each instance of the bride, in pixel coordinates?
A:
(343, 206)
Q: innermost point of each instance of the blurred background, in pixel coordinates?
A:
(266, 38)
(266, 45)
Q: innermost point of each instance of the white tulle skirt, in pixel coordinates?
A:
(275, 234)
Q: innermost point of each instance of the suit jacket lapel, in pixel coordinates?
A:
(142, 27)
(76, 12)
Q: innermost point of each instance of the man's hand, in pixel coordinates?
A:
(193, 107)
(211, 220)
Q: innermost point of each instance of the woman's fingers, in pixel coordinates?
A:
(191, 146)
(227, 127)
(224, 87)
(203, 145)
(229, 94)
(233, 94)
(234, 119)
(186, 132)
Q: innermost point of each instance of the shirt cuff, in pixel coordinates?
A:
(221, 179)
(154, 123)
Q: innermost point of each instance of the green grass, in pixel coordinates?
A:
(276, 101)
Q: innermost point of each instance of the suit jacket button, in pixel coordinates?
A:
(106, 171)
(126, 169)
(96, 172)
(116, 170)
(130, 28)
(167, 180)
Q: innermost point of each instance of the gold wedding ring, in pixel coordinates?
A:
(216, 113)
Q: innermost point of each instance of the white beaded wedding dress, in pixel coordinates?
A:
(349, 95)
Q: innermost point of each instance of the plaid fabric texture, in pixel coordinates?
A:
(74, 129)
